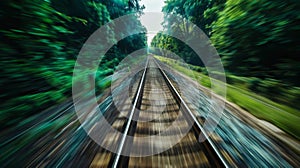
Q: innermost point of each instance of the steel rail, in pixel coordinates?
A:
(139, 92)
(177, 95)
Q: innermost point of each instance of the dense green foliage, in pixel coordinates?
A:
(176, 46)
(202, 13)
(238, 92)
(255, 39)
(40, 41)
(259, 38)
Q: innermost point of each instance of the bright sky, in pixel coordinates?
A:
(153, 5)
(153, 17)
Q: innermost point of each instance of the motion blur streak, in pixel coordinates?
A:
(55, 138)
(258, 42)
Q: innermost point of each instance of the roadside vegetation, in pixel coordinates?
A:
(258, 46)
(40, 41)
(239, 92)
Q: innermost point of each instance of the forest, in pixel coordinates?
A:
(40, 41)
(44, 123)
(256, 40)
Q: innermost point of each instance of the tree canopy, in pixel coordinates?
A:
(253, 38)
(40, 40)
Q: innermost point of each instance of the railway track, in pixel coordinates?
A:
(156, 106)
(156, 100)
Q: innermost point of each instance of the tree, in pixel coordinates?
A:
(257, 38)
(40, 40)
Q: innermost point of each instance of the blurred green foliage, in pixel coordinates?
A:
(280, 114)
(40, 40)
(255, 39)
(259, 38)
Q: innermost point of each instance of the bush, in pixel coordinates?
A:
(276, 90)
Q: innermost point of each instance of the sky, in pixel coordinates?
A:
(152, 5)
(153, 17)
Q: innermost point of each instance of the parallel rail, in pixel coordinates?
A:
(187, 109)
(118, 158)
